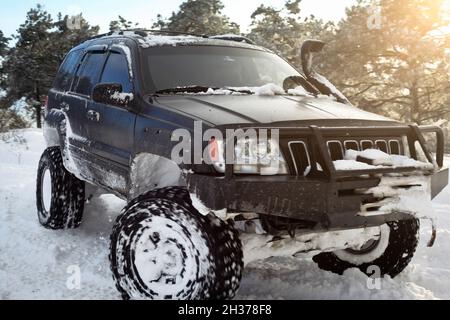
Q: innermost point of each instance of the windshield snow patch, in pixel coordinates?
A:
(265, 90)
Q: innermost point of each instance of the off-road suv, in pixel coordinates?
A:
(337, 182)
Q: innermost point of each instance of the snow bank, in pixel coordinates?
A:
(36, 263)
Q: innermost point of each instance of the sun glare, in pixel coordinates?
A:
(445, 10)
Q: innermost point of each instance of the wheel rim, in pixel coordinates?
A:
(165, 258)
(366, 248)
(46, 188)
(369, 252)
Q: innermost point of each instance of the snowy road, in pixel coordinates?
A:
(35, 263)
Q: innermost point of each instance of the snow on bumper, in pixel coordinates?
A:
(335, 205)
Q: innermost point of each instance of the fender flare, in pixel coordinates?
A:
(55, 129)
(149, 172)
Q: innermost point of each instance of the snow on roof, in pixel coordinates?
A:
(162, 40)
(149, 39)
(228, 35)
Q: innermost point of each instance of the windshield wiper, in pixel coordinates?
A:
(199, 89)
(189, 89)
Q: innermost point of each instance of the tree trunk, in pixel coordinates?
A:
(38, 107)
(38, 116)
(415, 107)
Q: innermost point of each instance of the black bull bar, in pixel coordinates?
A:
(325, 197)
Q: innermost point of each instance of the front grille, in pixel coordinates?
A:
(300, 156)
(300, 150)
(336, 150)
(382, 145)
(351, 145)
(394, 147)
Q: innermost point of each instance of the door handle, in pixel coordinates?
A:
(93, 115)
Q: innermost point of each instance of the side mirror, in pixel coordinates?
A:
(309, 47)
(111, 93)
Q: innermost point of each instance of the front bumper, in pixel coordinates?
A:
(333, 206)
(329, 201)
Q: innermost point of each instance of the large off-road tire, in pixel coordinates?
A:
(60, 196)
(228, 258)
(391, 253)
(162, 248)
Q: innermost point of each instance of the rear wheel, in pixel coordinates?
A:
(162, 248)
(60, 196)
(391, 253)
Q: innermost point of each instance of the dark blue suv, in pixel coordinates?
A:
(122, 102)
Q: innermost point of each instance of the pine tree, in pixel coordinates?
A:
(3, 44)
(40, 48)
(28, 66)
(3, 53)
(67, 36)
(122, 24)
(199, 17)
(399, 67)
(9, 119)
(284, 30)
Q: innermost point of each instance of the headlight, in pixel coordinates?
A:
(251, 157)
(217, 155)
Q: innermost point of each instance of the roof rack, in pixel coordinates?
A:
(233, 37)
(145, 33)
(101, 35)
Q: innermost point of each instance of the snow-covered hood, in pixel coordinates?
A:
(244, 109)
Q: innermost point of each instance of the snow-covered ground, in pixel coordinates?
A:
(36, 263)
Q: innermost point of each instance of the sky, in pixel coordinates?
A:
(100, 12)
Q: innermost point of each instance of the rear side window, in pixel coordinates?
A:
(89, 73)
(117, 71)
(66, 72)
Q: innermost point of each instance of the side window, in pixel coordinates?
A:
(117, 71)
(89, 73)
(66, 72)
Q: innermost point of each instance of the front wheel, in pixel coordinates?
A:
(391, 253)
(163, 249)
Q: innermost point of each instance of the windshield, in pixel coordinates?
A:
(216, 67)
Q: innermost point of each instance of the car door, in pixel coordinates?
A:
(112, 127)
(75, 104)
